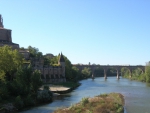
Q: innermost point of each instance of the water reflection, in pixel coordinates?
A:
(136, 94)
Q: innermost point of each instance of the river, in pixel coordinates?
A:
(136, 94)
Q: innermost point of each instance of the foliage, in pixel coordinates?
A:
(4, 93)
(36, 81)
(44, 95)
(10, 60)
(29, 101)
(68, 84)
(68, 69)
(86, 72)
(76, 75)
(26, 81)
(137, 74)
(99, 72)
(24, 87)
(34, 52)
(99, 104)
(19, 102)
(51, 61)
(147, 73)
(125, 72)
(2, 76)
(84, 101)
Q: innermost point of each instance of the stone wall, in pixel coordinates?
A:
(5, 35)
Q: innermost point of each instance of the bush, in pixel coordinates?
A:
(19, 103)
(44, 96)
(46, 87)
(4, 93)
(84, 101)
(29, 101)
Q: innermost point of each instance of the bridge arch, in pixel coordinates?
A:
(119, 69)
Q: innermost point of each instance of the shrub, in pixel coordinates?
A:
(84, 101)
(104, 95)
(46, 87)
(4, 93)
(19, 103)
(29, 101)
(44, 96)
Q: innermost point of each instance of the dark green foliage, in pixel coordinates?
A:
(51, 61)
(68, 69)
(29, 101)
(36, 81)
(4, 93)
(46, 87)
(19, 103)
(18, 84)
(99, 72)
(34, 52)
(24, 87)
(76, 74)
(44, 95)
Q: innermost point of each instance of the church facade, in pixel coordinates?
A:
(48, 73)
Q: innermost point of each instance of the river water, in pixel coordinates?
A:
(136, 94)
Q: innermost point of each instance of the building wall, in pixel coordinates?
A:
(5, 35)
(14, 46)
(52, 74)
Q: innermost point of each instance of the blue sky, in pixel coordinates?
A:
(114, 32)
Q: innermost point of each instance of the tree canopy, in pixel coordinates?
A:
(10, 60)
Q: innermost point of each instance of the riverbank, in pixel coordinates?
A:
(62, 88)
(104, 103)
(57, 90)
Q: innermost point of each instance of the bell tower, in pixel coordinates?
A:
(1, 21)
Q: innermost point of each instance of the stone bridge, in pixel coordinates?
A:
(106, 67)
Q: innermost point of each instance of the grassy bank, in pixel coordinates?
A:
(104, 103)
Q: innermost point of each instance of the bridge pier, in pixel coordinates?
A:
(118, 77)
(105, 73)
(130, 72)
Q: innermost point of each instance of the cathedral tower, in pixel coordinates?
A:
(1, 21)
(5, 36)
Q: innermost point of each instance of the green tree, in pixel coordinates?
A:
(86, 72)
(36, 81)
(147, 73)
(34, 52)
(10, 60)
(125, 72)
(68, 69)
(26, 82)
(75, 73)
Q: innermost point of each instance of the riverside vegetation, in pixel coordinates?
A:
(19, 83)
(104, 103)
(137, 74)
